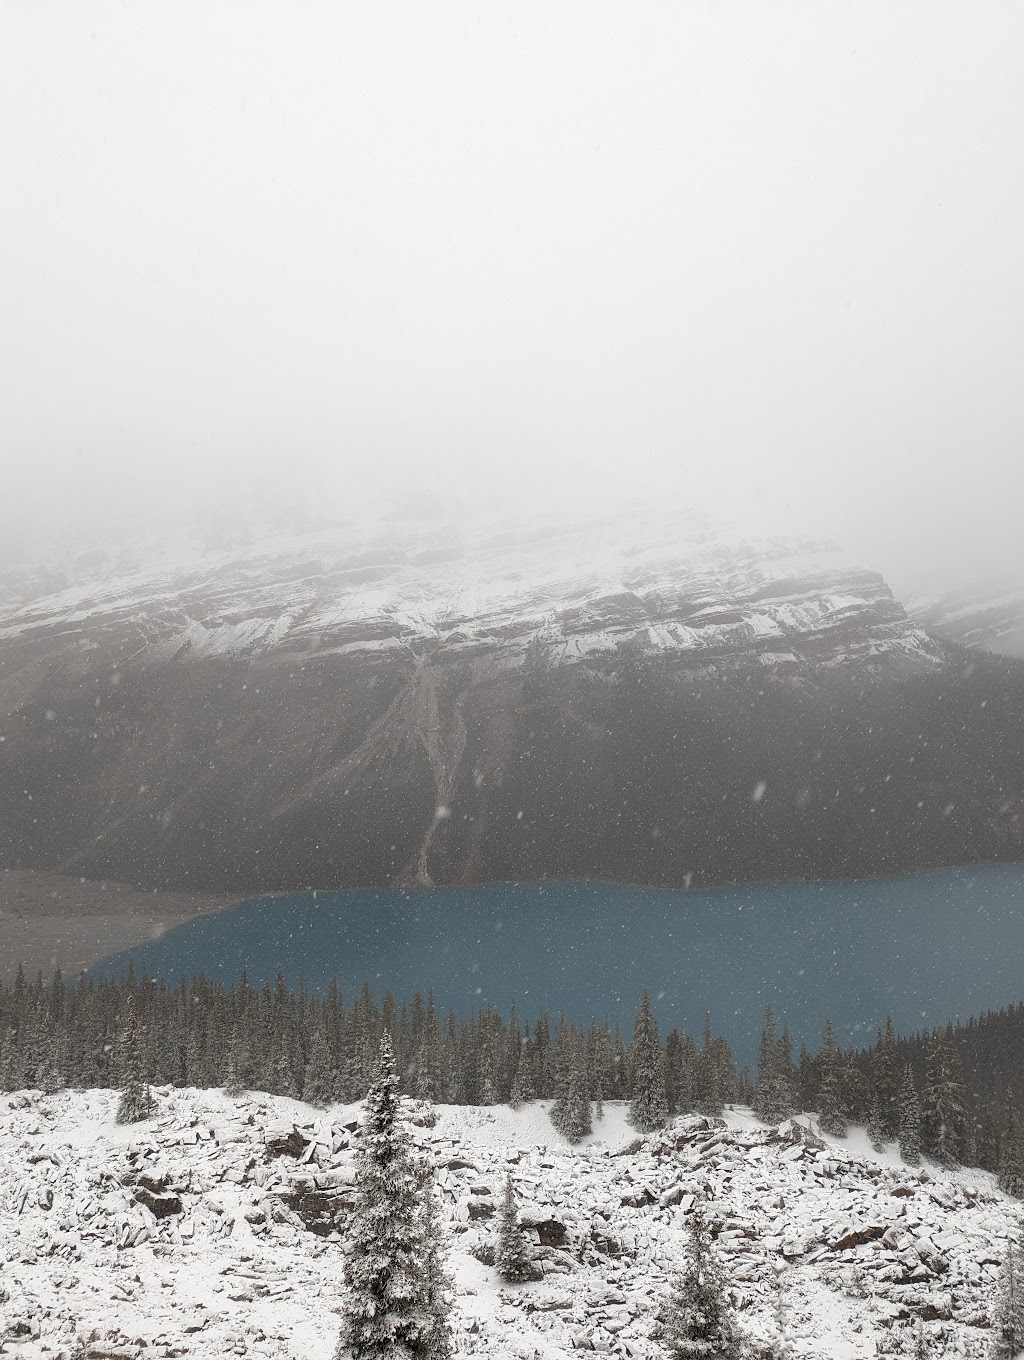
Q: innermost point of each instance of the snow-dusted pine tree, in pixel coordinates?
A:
(708, 1095)
(943, 1117)
(648, 1110)
(697, 1319)
(831, 1115)
(487, 1059)
(1008, 1314)
(1011, 1163)
(438, 1287)
(512, 1255)
(910, 1119)
(574, 1120)
(524, 1089)
(9, 1074)
(570, 1112)
(601, 1060)
(773, 1098)
(233, 1064)
(397, 1294)
(320, 1081)
(136, 1098)
(680, 1060)
(885, 1086)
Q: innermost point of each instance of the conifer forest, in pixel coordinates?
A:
(947, 1094)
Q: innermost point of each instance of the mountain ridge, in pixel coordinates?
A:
(473, 705)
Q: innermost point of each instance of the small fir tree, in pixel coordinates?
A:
(697, 1318)
(397, 1294)
(512, 1255)
(136, 1101)
(910, 1119)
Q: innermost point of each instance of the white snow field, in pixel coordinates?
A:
(182, 1236)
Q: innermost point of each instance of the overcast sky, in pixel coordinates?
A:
(763, 255)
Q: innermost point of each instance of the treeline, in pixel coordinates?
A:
(947, 1094)
(288, 1042)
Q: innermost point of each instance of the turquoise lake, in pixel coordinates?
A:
(924, 949)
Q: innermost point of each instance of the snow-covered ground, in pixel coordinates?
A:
(187, 1235)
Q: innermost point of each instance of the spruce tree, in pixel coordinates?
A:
(680, 1059)
(943, 1117)
(438, 1291)
(885, 1086)
(397, 1293)
(570, 1112)
(831, 1115)
(910, 1119)
(320, 1080)
(876, 1128)
(487, 1060)
(233, 1064)
(511, 1255)
(1011, 1164)
(562, 1070)
(10, 1075)
(136, 1101)
(1008, 1314)
(523, 1088)
(648, 1110)
(697, 1317)
(602, 1066)
(773, 1098)
(708, 1095)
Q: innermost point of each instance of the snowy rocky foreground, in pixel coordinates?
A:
(209, 1231)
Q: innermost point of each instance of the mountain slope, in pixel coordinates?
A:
(991, 618)
(335, 710)
(216, 1225)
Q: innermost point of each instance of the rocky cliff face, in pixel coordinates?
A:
(987, 617)
(638, 700)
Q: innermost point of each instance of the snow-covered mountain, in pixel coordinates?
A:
(989, 617)
(214, 1229)
(431, 701)
(583, 589)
